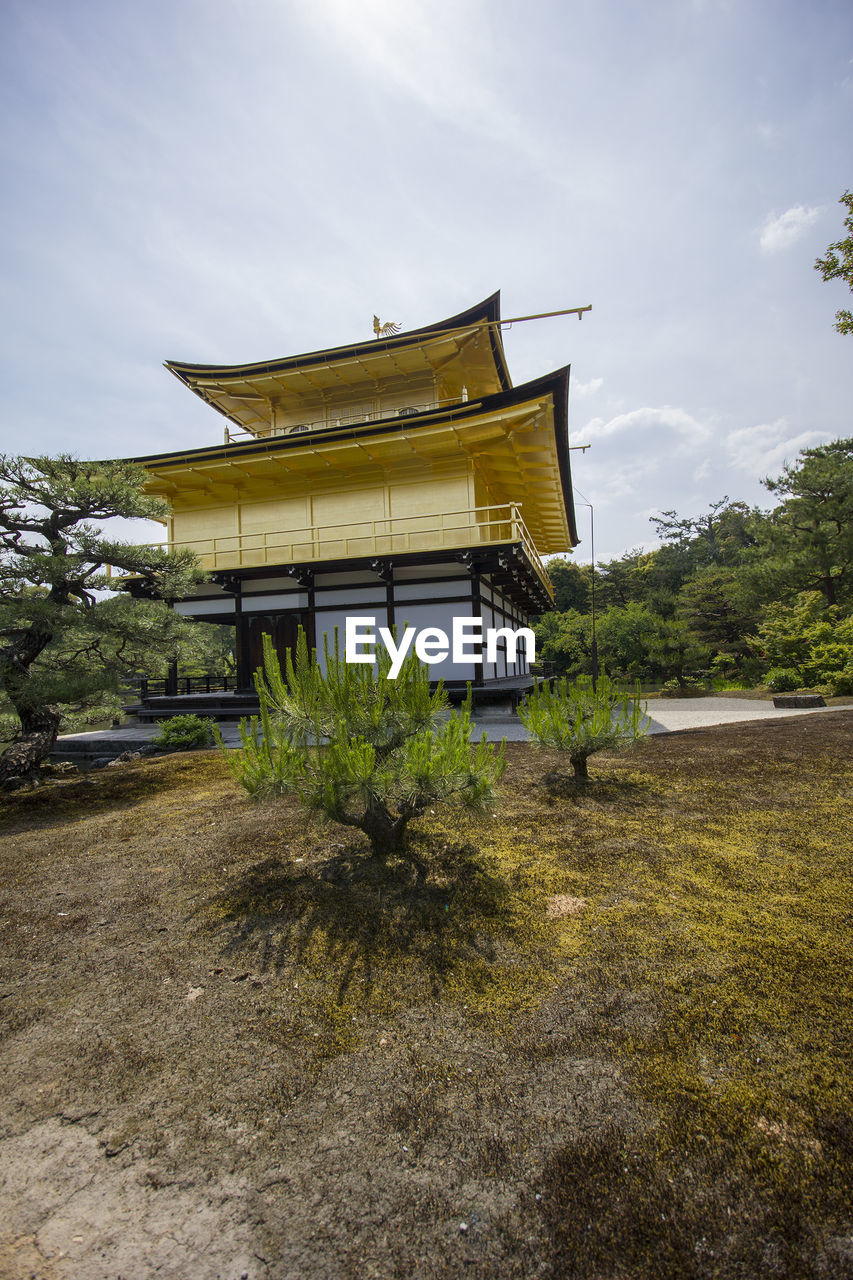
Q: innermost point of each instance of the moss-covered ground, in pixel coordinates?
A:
(607, 1039)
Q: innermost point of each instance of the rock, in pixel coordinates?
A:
(125, 757)
(799, 700)
(58, 768)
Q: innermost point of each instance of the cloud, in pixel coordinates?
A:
(781, 232)
(613, 483)
(403, 48)
(663, 423)
(765, 448)
(582, 389)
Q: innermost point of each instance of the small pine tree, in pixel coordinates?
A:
(360, 748)
(581, 720)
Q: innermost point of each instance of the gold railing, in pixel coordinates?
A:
(459, 530)
(343, 418)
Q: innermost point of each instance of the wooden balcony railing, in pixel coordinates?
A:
(457, 530)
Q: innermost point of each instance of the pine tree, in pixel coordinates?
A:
(582, 718)
(838, 263)
(61, 638)
(360, 748)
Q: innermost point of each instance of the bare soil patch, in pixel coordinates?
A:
(609, 1037)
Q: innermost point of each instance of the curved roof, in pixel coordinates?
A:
(248, 394)
(517, 439)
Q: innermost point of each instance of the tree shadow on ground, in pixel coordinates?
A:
(86, 794)
(614, 1202)
(367, 915)
(559, 784)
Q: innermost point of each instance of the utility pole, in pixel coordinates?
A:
(594, 644)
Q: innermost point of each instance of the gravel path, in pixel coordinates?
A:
(670, 715)
(666, 715)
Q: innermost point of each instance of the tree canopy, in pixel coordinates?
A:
(695, 606)
(394, 749)
(838, 263)
(812, 529)
(62, 637)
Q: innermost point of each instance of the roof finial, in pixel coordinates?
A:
(386, 330)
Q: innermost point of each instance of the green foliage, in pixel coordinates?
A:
(810, 535)
(809, 639)
(581, 720)
(839, 683)
(633, 642)
(717, 610)
(625, 580)
(62, 641)
(626, 638)
(691, 608)
(207, 648)
(394, 748)
(716, 538)
(571, 585)
(93, 647)
(184, 733)
(838, 263)
(783, 680)
(565, 639)
(687, 687)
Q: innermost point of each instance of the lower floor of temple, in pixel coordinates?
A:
(496, 590)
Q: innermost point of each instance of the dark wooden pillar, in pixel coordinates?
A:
(172, 680)
(245, 682)
(476, 612)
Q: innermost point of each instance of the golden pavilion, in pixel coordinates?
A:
(402, 478)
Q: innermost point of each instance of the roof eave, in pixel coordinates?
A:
(488, 311)
(555, 384)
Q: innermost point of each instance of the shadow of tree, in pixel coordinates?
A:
(560, 785)
(104, 790)
(368, 914)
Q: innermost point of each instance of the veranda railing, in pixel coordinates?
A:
(467, 528)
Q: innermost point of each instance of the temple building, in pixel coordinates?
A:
(401, 478)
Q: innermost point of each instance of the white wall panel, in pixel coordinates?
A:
(439, 615)
(326, 622)
(276, 603)
(355, 597)
(199, 608)
(432, 590)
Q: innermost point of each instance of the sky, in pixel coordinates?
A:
(220, 181)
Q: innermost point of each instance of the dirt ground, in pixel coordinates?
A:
(605, 1040)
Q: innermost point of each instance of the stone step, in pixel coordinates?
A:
(799, 700)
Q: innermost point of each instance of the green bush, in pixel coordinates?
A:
(184, 733)
(394, 749)
(688, 687)
(581, 720)
(810, 639)
(783, 680)
(840, 683)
